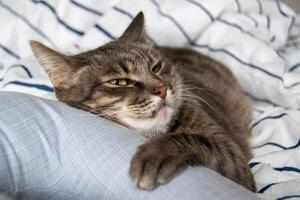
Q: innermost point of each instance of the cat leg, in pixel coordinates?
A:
(158, 160)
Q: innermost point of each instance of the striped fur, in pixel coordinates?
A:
(201, 119)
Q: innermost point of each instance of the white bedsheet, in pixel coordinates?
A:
(259, 40)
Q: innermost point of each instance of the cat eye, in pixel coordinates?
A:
(156, 68)
(120, 82)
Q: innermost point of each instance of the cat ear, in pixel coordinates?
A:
(135, 32)
(57, 65)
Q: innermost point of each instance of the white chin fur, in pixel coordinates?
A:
(152, 126)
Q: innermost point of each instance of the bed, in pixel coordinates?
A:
(258, 40)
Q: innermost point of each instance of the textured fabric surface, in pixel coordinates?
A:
(49, 150)
(258, 40)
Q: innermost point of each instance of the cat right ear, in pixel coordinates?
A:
(57, 65)
(135, 32)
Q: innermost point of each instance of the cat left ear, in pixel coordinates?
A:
(58, 66)
(135, 32)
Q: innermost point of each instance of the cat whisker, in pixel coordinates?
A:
(140, 104)
(198, 98)
(102, 109)
(107, 108)
(189, 81)
(151, 47)
(204, 101)
(121, 111)
(192, 101)
(193, 87)
(89, 114)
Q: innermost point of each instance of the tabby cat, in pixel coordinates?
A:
(189, 105)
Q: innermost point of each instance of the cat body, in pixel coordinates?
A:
(188, 105)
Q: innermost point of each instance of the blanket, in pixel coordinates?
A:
(258, 40)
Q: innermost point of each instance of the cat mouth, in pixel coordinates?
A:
(155, 120)
(160, 111)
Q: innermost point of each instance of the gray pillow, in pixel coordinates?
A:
(49, 150)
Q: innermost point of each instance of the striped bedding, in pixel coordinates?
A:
(259, 40)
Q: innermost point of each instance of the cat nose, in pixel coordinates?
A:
(161, 91)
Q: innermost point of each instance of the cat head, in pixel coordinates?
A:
(127, 80)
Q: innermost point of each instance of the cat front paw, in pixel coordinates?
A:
(154, 164)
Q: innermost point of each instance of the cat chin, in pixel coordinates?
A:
(151, 127)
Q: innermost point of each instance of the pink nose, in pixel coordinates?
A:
(161, 91)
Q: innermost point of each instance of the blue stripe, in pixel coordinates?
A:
(187, 36)
(86, 8)
(280, 146)
(288, 197)
(222, 20)
(238, 27)
(27, 22)
(123, 12)
(203, 8)
(23, 67)
(77, 46)
(294, 84)
(218, 50)
(173, 20)
(32, 85)
(238, 5)
(292, 24)
(268, 21)
(280, 10)
(258, 110)
(294, 44)
(108, 34)
(285, 15)
(268, 117)
(235, 25)
(273, 38)
(280, 56)
(254, 21)
(294, 67)
(73, 30)
(239, 60)
(287, 169)
(263, 189)
(10, 52)
(260, 7)
(249, 33)
(253, 164)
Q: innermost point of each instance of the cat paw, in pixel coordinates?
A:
(153, 165)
